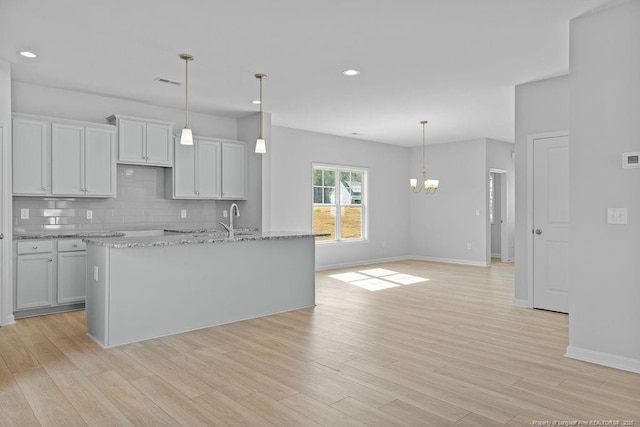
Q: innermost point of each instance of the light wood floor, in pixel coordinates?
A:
(448, 351)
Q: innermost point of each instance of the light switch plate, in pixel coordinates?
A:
(89, 214)
(183, 213)
(24, 213)
(617, 216)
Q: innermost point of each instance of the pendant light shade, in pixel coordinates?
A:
(187, 137)
(261, 146)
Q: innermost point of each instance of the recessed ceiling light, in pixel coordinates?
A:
(256, 101)
(28, 54)
(351, 73)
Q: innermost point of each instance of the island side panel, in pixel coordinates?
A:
(157, 291)
(97, 293)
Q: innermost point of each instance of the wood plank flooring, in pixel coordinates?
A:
(450, 350)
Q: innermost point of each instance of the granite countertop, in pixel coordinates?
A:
(207, 230)
(196, 238)
(65, 234)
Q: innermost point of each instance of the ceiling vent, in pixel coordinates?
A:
(167, 81)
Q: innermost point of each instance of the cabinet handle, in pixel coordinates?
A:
(1, 236)
(35, 247)
(44, 188)
(75, 246)
(50, 259)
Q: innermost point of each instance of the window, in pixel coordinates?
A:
(338, 189)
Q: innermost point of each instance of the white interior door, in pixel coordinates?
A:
(551, 223)
(504, 234)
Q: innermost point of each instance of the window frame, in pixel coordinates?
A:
(364, 196)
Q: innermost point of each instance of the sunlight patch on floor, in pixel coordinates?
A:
(377, 279)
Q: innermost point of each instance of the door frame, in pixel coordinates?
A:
(531, 138)
(504, 215)
(6, 258)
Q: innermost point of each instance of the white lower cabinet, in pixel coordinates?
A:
(50, 276)
(35, 281)
(72, 277)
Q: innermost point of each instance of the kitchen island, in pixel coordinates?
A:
(140, 288)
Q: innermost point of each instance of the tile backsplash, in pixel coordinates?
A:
(141, 203)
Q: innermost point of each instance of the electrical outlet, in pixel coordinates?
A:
(183, 213)
(477, 212)
(469, 246)
(89, 214)
(95, 273)
(225, 213)
(24, 213)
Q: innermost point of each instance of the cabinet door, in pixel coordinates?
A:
(30, 157)
(72, 277)
(132, 137)
(159, 149)
(100, 170)
(234, 171)
(208, 169)
(34, 281)
(184, 172)
(67, 160)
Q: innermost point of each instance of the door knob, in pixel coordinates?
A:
(538, 231)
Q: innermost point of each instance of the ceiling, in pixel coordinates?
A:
(452, 62)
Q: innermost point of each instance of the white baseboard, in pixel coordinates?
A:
(10, 320)
(359, 263)
(521, 303)
(606, 359)
(451, 261)
(401, 258)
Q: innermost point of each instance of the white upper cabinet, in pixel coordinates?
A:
(208, 169)
(196, 172)
(100, 162)
(67, 160)
(234, 171)
(58, 157)
(31, 154)
(83, 160)
(143, 141)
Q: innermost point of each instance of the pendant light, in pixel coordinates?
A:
(430, 185)
(261, 147)
(187, 137)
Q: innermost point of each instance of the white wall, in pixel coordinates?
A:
(441, 225)
(258, 201)
(604, 272)
(541, 107)
(6, 294)
(499, 157)
(294, 151)
(69, 104)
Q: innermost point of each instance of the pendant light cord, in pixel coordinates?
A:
(186, 93)
(261, 113)
(423, 168)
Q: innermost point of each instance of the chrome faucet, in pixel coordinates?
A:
(229, 227)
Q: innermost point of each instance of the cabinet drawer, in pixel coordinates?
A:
(36, 247)
(71, 245)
